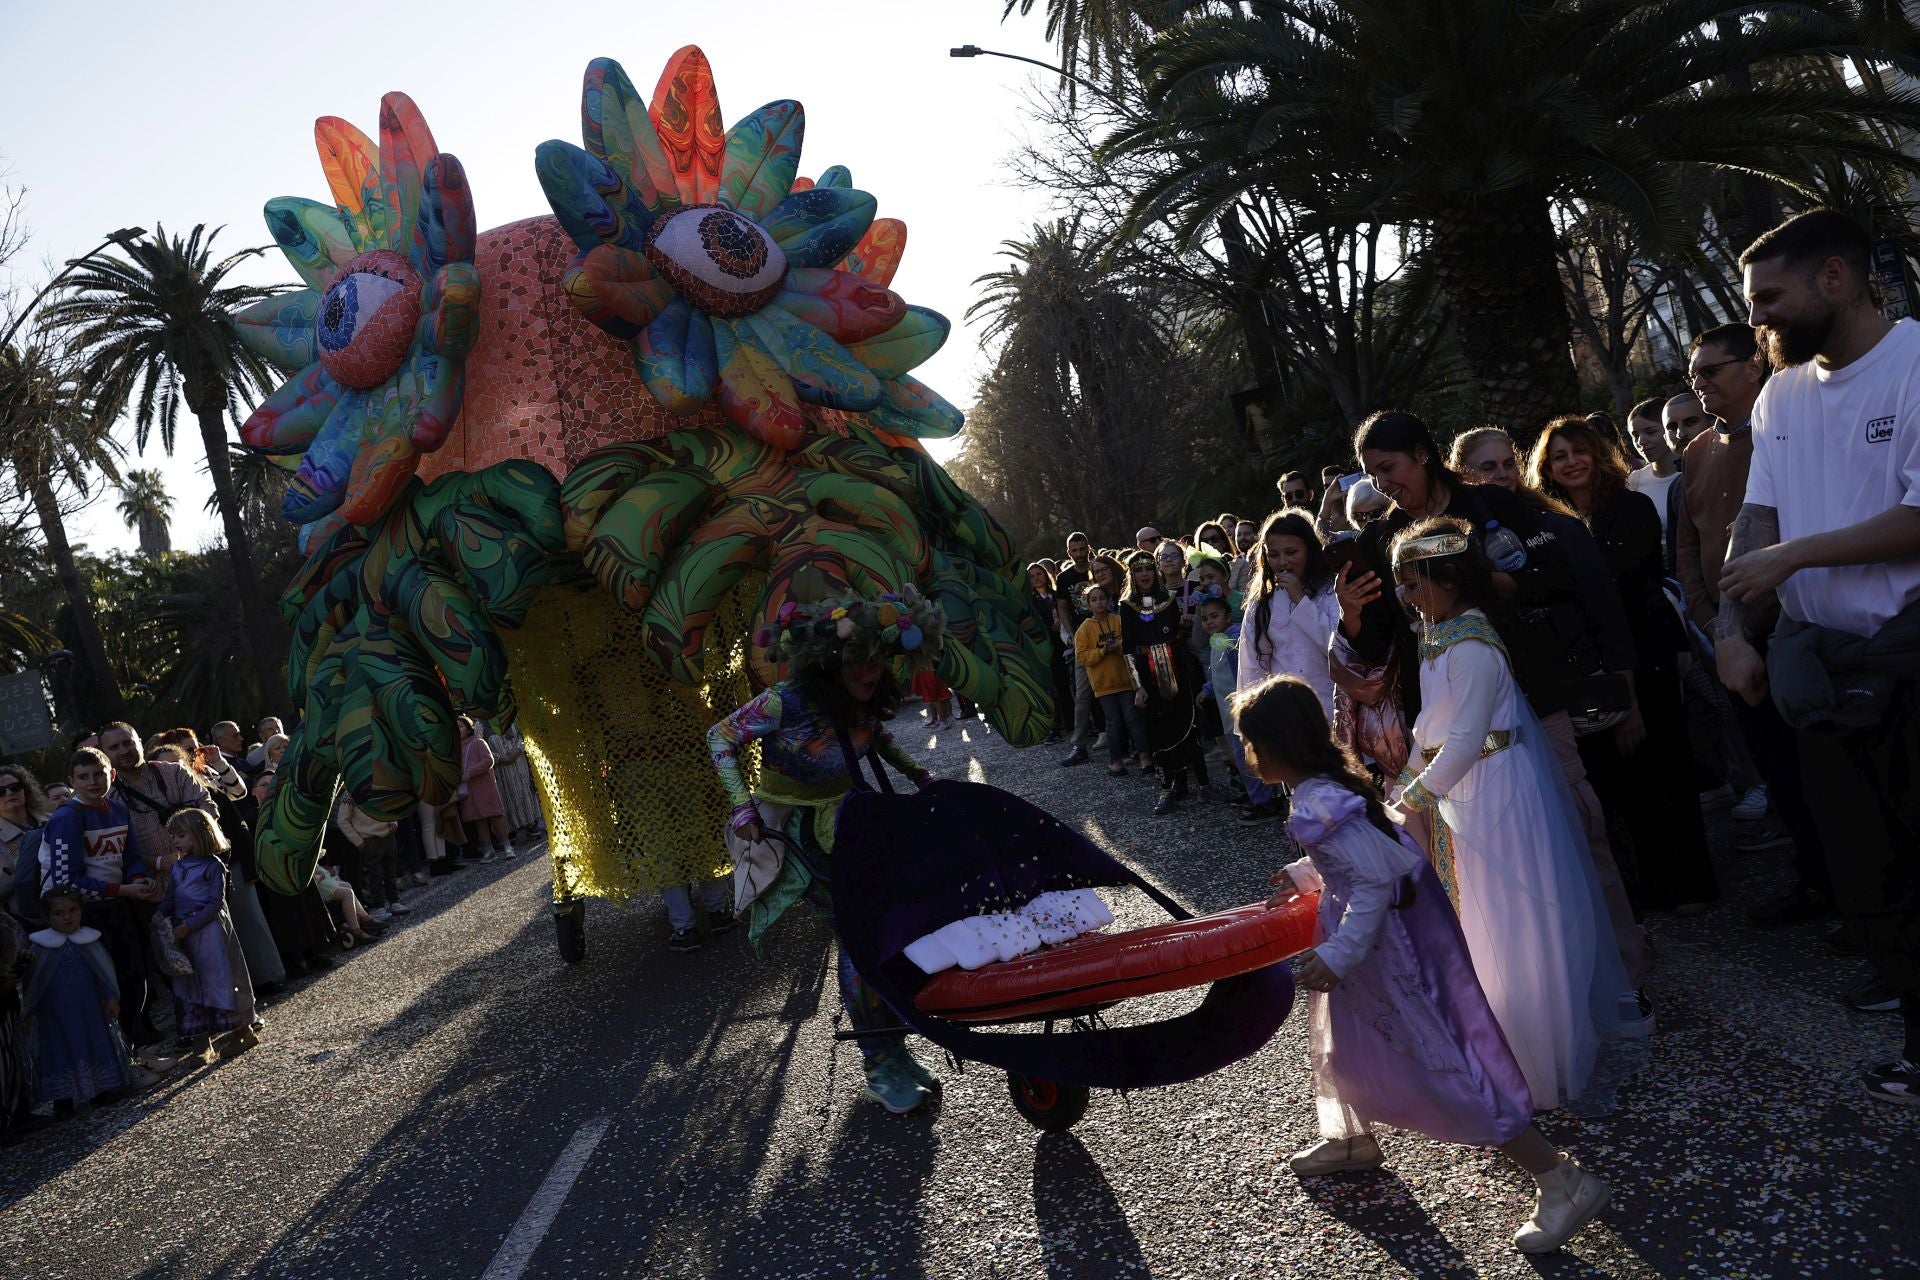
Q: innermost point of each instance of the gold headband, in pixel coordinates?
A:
(1432, 548)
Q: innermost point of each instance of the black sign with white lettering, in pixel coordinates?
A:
(26, 716)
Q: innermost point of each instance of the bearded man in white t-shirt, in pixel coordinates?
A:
(1831, 528)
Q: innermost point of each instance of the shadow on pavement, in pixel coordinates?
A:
(37, 1158)
(689, 1187)
(861, 1201)
(553, 1047)
(1083, 1229)
(1383, 1211)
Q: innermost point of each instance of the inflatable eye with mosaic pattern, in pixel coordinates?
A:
(564, 470)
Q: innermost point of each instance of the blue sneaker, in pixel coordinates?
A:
(914, 1070)
(889, 1085)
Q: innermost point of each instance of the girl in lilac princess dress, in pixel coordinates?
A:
(216, 999)
(1400, 1032)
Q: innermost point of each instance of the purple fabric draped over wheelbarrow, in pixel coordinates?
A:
(904, 866)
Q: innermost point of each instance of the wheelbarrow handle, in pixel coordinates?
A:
(898, 1030)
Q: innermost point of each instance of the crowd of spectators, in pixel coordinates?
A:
(137, 938)
(1764, 522)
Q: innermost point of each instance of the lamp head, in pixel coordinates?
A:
(965, 51)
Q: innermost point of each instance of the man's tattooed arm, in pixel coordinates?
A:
(1755, 527)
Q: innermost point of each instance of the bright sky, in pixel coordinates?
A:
(116, 114)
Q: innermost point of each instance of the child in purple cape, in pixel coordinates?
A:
(216, 999)
(1400, 1032)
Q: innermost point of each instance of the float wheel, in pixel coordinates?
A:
(1048, 1106)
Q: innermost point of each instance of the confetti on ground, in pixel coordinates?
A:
(403, 1109)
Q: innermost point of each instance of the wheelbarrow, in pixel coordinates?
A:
(904, 866)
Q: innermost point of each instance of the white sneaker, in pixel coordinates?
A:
(1569, 1199)
(422, 879)
(399, 908)
(1338, 1155)
(1718, 796)
(382, 915)
(1752, 806)
(156, 1058)
(141, 1078)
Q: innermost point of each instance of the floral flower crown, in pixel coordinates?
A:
(850, 630)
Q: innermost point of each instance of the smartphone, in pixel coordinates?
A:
(1349, 480)
(1342, 552)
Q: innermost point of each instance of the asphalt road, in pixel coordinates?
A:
(456, 1102)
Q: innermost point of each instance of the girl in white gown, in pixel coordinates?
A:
(1505, 839)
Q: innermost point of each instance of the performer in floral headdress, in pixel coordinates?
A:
(813, 728)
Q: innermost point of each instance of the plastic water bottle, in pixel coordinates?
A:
(1505, 549)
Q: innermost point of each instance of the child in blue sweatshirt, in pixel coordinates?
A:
(89, 846)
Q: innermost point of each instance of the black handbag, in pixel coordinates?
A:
(1598, 702)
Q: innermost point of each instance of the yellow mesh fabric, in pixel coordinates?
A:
(618, 750)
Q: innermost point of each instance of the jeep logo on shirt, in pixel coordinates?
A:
(1880, 430)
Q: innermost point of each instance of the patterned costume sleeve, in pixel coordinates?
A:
(756, 719)
(898, 756)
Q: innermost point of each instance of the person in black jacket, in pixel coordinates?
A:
(1045, 603)
(1644, 765)
(1167, 679)
(1399, 453)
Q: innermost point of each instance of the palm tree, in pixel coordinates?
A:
(259, 484)
(23, 641)
(51, 433)
(1098, 34)
(1093, 388)
(1464, 120)
(144, 505)
(156, 328)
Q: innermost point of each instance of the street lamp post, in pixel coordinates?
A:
(125, 237)
(1254, 306)
(975, 51)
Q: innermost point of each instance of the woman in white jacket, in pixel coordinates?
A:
(1291, 608)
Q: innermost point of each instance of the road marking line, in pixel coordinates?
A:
(517, 1250)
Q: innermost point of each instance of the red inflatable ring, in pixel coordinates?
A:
(1099, 968)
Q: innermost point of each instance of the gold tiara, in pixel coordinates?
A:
(1431, 548)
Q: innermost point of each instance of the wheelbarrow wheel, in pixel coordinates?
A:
(570, 921)
(1048, 1106)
